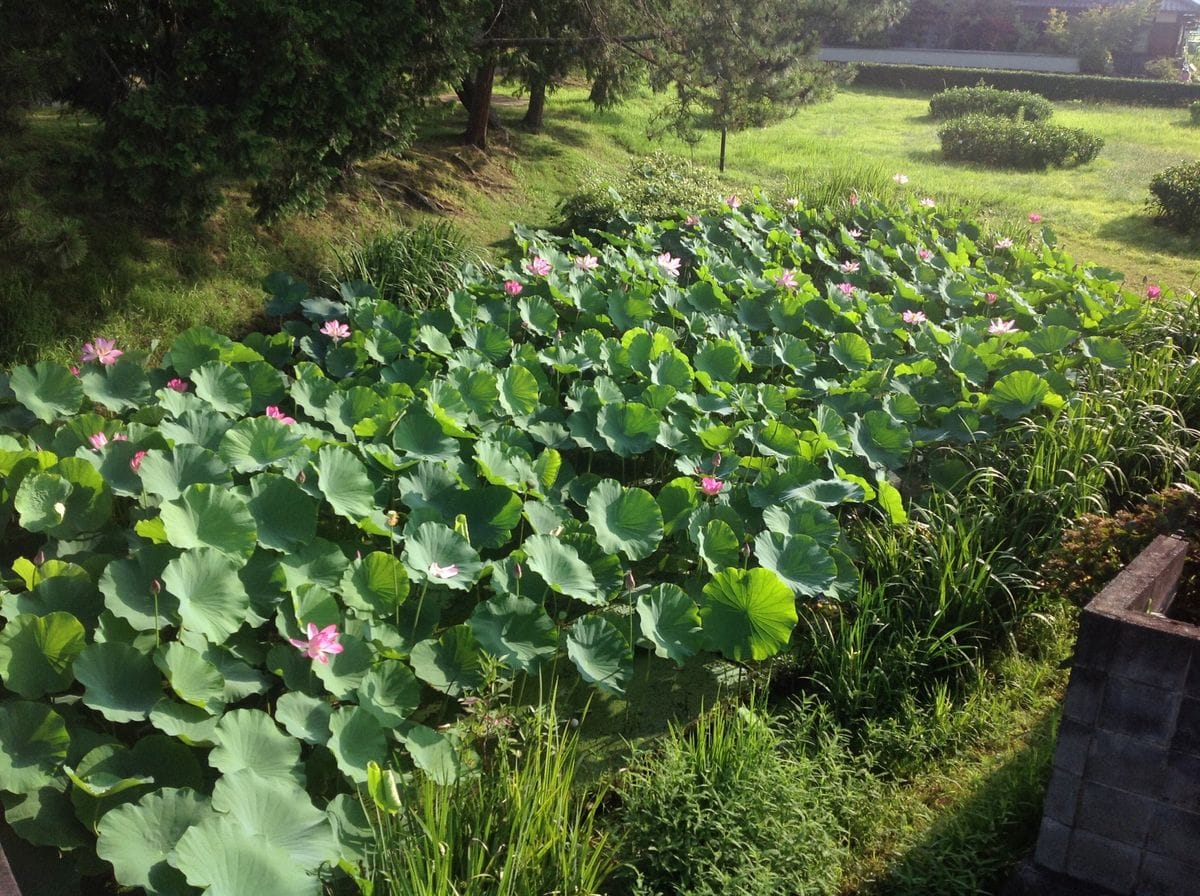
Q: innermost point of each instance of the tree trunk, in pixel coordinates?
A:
(480, 110)
(721, 164)
(536, 110)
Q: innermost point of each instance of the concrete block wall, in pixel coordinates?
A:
(1122, 811)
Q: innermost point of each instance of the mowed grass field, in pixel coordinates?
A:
(142, 287)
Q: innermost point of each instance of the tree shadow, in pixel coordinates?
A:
(978, 840)
(1142, 232)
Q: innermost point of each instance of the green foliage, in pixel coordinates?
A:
(730, 807)
(1004, 143)
(523, 825)
(415, 268)
(956, 102)
(1164, 68)
(1194, 110)
(1098, 32)
(1175, 196)
(655, 188)
(1053, 86)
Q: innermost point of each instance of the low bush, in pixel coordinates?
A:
(981, 99)
(1003, 143)
(1175, 196)
(654, 188)
(1165, 68)
(1051, 85)
(1194, 108)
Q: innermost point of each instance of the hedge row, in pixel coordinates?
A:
(1005, 143)
(1136, 91)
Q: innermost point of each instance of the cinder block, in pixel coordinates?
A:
(1117, 815)
(1151, 657)
(1071, 751)
(1096, 641)
(1098, 860)
(1127, 763)
(1085, 691)
(1139, 710)
(1161, 876)
(1187, 727)
(1052, 845)
(1175, 834)
(1181, 782)
(1062, 796)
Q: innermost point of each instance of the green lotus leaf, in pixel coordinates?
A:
(193, 679)
(1053, 339)
(194, 348)
(795, 353)
(249, 739)
(671, 621)
(201, 428)
(344, 482)
(50, 391)
(628, 428)
(319, 562)
(1016, 394)
(223, 387)
(437, 555)
(626, 520)
(119, 682)
(718, 544)
(242, 679)
(538, 314)
(778, 439)
(280, 812)
(111, 774)
(66, 501)
(45, 817)
(285, 516)
(267, 384)
(677, 499)
(257, 443)
(345, 671)
(883, 441)
(33, 746)
(803, 518)
(304, 716)
(356, 738)
(519, 392)
(451, 663)
(492, 511)
(515, 630)
(390, 692)
(59, 586)
(190, 724)
(212, 599)
(167, 474)
(137, 839)
(352, 829)
(434, 753)
(747, 614)
(506, 465)
(851, 351)
(218, 856)
(561, 568)
(36, 653)
(828, 492)
(1111, 353)
(805, 566)
(418, 435)
(205, 516)
(378, 583)
(119, 387)
(600, 653)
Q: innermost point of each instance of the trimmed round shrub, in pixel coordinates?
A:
(1005, 143)
(1194, 108)
(654, 188)
(1175, 196)
(982, 100)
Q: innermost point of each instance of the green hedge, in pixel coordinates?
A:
(1005, 143)
(1175, 196)
(1138, 91)
(959, 101)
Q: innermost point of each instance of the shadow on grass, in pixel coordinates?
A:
(1141, 231)
(978, 840)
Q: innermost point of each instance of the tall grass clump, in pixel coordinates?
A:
(522, 827)
(830, 185)
(414, 267)
(725, 808)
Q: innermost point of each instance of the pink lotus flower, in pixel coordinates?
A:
(320, 644)
(177, 385)
(669, 265)
(692, 221)
(99, 440)
(927, 203)
(512, 287)
(274, 413)
(587, 262)
(901, 179)
(846, 288)
(1035, 218)
(849, 267)
(913, 317)
(711, 485)
(999, 327)
(539, 266)
(135, 462)
(733, 201)
(854, 232)
(792, 202)
(1005, 243)
(990, 298)
(787, 279)
(438, 571)
(924, 254)
(1153, 292)
(74, 370)
(797, 232)
(853, 199)
(103, 350)
(335, 330)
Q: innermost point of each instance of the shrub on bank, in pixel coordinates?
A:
(983, 100)
(1002, 143)
(1175, 196)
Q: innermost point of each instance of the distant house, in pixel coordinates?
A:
(1163, 37)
